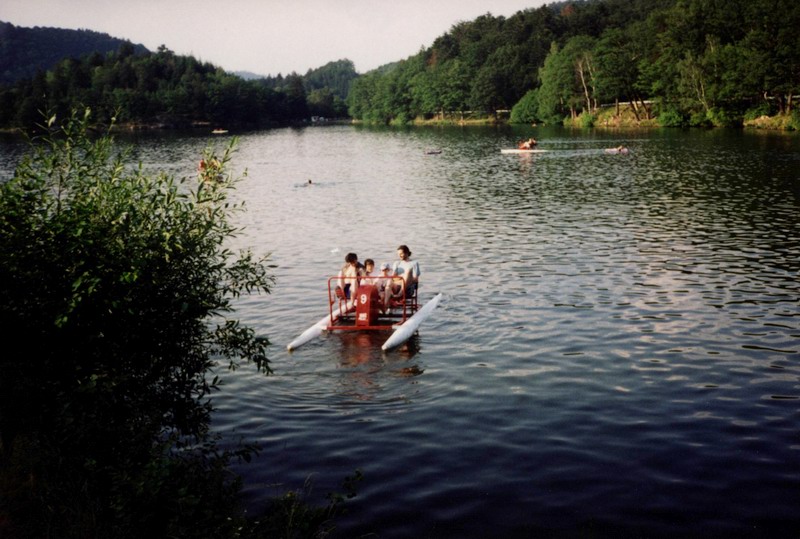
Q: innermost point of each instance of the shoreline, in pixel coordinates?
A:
(603, 120)
(607, 118)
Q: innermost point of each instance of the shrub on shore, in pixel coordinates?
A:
(116, 297)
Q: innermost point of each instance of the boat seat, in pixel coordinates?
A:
(409, 301)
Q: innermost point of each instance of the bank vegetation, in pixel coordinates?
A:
(116, 302)
(655, 62)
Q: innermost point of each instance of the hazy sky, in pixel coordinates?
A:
(268, 36)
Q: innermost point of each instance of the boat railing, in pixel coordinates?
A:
(342, 303)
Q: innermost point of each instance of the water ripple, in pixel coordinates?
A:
(617, 352)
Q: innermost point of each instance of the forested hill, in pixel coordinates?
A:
(162, 89)
(665, 62)
(158, 89)
(336, 76)
(55, 70)
(24, 51)
(684, 62)
(327, 87)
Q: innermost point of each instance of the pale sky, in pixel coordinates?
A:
(267, 37)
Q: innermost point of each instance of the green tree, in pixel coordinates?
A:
(496, 83)
(454, 79)
(557, 81)
(335, 76)
(323, 102)
(362, 95)
(485, 93)
(426, 94)
(771, 51)
(579, 53)
(616, 70)
(295, 90)
(116, 294)
(525, 110)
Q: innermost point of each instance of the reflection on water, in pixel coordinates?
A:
(617, 351)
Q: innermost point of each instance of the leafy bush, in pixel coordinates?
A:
(115, 293)
(401, 119)
(587, 119)
(720, 117)
(671, 118)
(524, 112)
(794, 121)
(699, 119)
(291, 516)
(762, 109)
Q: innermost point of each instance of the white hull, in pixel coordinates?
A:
(407, 328)
(316, 330)
(516, 150)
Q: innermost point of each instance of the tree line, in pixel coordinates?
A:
(169, 90)
(24, 51)
(326, 87)
(671, 62)
(686, 62)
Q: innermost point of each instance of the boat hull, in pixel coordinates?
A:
(406, 329)
(316, 330)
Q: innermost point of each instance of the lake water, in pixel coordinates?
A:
(617, 352)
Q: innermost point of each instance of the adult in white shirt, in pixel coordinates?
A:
(407, 269)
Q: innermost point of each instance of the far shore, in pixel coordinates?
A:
(605, 118)
(608, 118)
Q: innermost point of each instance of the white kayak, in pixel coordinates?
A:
(317, 329)
(403, 331)
(517, 150)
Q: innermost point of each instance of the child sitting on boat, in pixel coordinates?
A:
(386, 287)
(527, 144)
(369, 267)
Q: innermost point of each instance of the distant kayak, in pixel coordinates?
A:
(616, 150)
(517, 150)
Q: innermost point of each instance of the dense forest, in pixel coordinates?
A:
(326, 87)
(686, 62)
(161, 89)
(656, 62)
(24, 51)
(154, 89)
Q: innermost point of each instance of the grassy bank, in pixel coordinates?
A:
(625, 117)
(782, 122)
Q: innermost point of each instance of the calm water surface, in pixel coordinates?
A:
(617, 352)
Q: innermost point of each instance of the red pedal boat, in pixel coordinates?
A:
(366, 310)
